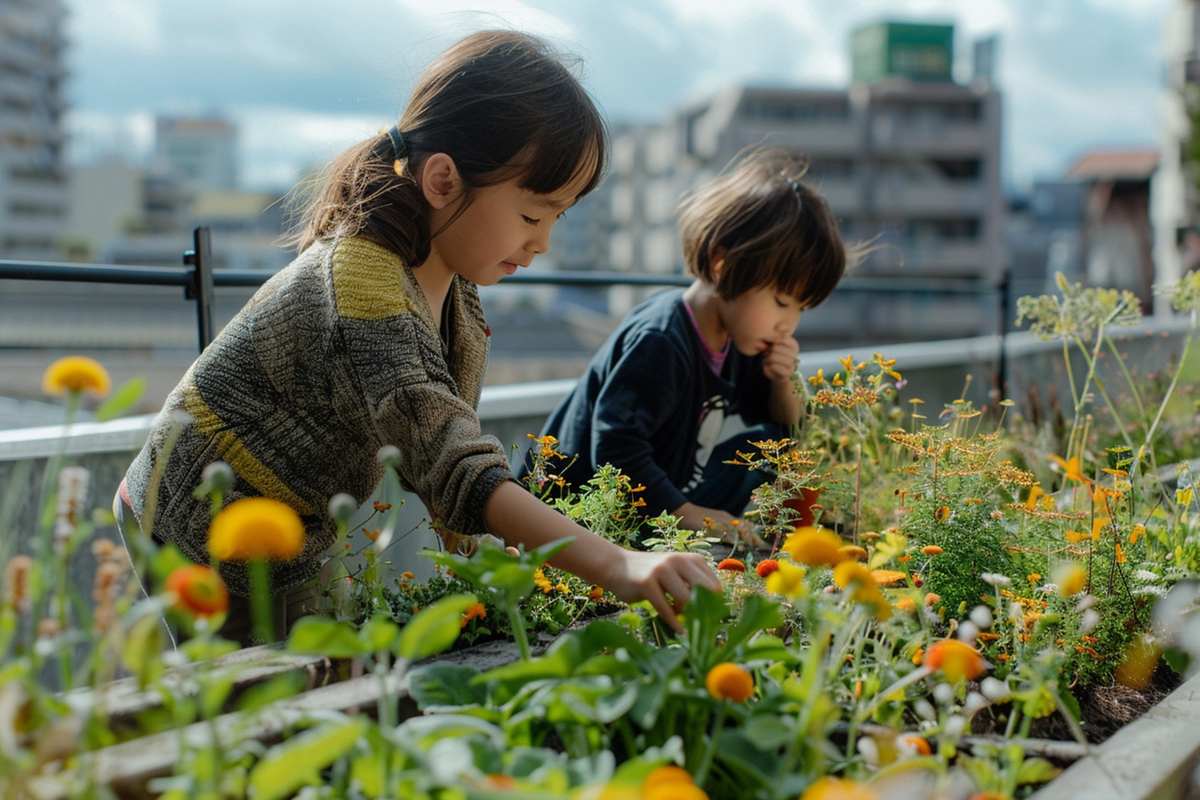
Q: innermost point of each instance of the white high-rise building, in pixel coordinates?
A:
(33, 196)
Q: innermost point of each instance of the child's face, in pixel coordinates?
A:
(757, 318)
(502, 229)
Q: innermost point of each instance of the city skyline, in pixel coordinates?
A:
(296, 104)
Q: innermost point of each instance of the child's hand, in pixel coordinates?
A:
(779, 364)
(665, 579)
(730, 529)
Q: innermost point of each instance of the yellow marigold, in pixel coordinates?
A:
(932, 550)
(887, 577)
(1137, 532)
(542, 582)
(256, 528)
(849, 572)
(955, 659)
(838, 789)
(814, 546)
(853, 551)
(906, 604)
(787, 579)
(198, 590)
(76, 374)
(1071, 579)
(728, 681)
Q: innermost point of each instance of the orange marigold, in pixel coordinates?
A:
(766, 567)
(732, 565)
(474, 611)
(198, 590)
(728, 681)
(955, 659)
(932, 550)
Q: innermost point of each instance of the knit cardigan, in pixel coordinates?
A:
(335, 356)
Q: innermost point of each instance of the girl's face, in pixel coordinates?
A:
(757, 318)
(503, 227)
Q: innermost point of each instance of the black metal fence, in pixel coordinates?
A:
(198, 280)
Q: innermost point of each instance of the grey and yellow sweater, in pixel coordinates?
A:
(335, 356)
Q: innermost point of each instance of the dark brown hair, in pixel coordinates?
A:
(502, 104)
(771, 229)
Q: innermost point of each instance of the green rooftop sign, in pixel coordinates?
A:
(917, 51)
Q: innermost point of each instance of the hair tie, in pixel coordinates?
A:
(399, 148)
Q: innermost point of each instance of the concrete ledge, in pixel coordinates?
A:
(1152, 758)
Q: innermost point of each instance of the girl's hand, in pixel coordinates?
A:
(664, 579)
(779, 364)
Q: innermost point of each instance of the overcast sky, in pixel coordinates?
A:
(304, 79)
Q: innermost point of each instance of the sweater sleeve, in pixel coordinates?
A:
(636, 400)
(413, 404)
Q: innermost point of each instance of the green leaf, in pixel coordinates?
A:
(378, 635)
(434, 629)
(324, 637)
(1176, 659)
(208, 649)
(758, 613)
(445, 685)
(299, 760)
(1036, 770)
(141, 652)
(167, 560)
(264, 694)
(122, 400)
(215, 693)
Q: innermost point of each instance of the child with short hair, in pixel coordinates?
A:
(374, 335)
(690, 376)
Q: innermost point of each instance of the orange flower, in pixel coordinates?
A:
(906, 604)
(932, 550)
(838, 789)
(381, 506)
(727, 681)
(766, 567)
(932, 599)
(596, 594)
(1035, 492)
(942, 514)
(1072, 469)
(853, 551)
(372, 534)
(956, 660)
(732, 565)
(198, 590)
(474, 611)
(887, 577)
(814, 547)
(1071, 579)
(256, 528)
(917, 743)
(76, 374)
(667, 775)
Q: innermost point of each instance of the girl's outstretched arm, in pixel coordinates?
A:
(520, 518)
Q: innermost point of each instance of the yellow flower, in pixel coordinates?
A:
(1075, 537)
(1071, 579)
(850, 572)
(818, 379)
(814, 546)
(1097, 526)
(906, 604)
(1138, 532)
(256, 528)
(787, 579)
(76, 374)
(837, 380)
(728, 681)
(838, 789)
(853, 551)
(848, 363)
(1184, 496)
(1141, 657)
(562, 588)
(671, 783)
(1035, 492)
(542, 582)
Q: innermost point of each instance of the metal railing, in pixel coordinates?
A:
(199, 280)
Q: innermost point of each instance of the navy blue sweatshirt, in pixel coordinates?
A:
(650, 404)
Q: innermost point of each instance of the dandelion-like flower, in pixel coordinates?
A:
(814, 547)
(256, 528)
(728, 681)
(76, 375)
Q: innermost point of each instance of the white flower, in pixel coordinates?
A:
(1156, 591)
(975, 703)
(1085, 602)
(982, 616)
(955, 726)
(925, 709)
(995, 690)
(869, 750)
(1016, 612)
(1089, 621)
(943, 693)
(996, 579)
(968, 632)
(1145, 576)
